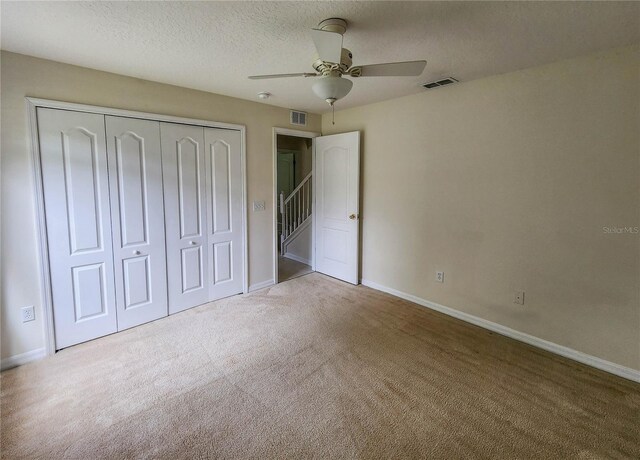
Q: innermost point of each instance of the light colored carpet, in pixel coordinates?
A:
(289, 269)
(314, 367)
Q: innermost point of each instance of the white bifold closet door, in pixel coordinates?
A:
(76, 189)
(224, 211)
(185, 218)
(137, 210)
(203, 213)
(143, 219)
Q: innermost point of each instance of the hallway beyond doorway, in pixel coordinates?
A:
(289, 269)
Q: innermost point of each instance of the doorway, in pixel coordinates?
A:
(294, 201)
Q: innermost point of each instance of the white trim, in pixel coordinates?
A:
(262, 285)
(294, 133)
(43, 259)
(23, 358)
(245, 216)
(313, 207)
(302, 260)
(32, 106)
(589, 360)
(49, 104)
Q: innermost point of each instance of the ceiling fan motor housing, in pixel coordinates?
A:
(336, 25)
(326, 67)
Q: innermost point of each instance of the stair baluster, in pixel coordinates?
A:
(295, 209)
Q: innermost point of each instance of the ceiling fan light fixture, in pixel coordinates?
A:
(332, 88)
(333, 61)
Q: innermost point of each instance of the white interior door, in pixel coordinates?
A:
(337, 185)
(137, 210)
(225, 255)
(183, 168)
(76, 188)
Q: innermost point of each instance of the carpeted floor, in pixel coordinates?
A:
(314, 368)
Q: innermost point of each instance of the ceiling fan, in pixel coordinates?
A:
(334, 61)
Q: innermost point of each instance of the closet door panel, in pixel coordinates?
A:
(76, 189)
(137, 207)
(186, 223)
(224, 212)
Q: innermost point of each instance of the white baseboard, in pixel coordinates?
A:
(593, 361)
(302, 260)
(23, 358)
(262, 285)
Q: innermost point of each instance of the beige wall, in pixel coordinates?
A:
(26, 76)
(505, 184)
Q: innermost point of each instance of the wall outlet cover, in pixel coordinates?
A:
(28, 314)
(519, 298)
(440, 277)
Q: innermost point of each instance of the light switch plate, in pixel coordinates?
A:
(259, 206)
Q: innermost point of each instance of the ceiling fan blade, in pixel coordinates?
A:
(393, 69)
(328, 44)
(283, 75)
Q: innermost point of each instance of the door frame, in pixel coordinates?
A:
(294, 133)
(43, 250)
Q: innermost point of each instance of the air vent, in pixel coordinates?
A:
(443, 82)
(298, 118)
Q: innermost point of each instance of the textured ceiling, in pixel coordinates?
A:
(214, 46)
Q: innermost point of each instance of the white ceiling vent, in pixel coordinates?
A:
(442, 82)
(298, 118)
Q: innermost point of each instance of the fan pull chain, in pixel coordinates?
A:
(333, 114)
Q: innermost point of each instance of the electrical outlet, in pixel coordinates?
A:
(259, 206)
(519, 298)
(28, 314)
(440, 277)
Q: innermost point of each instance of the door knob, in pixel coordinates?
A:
(193, 243)
(353, 217)
(136, 253)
